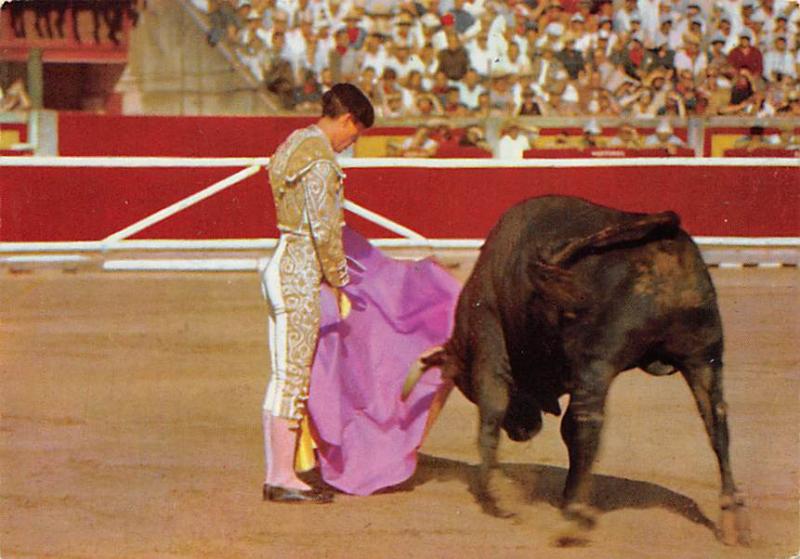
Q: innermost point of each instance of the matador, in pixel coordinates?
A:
(307, 189)
(306, 186)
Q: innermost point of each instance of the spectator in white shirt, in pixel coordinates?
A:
(298, 41)
(529, 40)
(623, 17)
(606, 39)
(335, 11)
(402, 32)
(782, 29)
(515, 62)
(648, 10)
(470, 88)
(255, 56)
(668, 34)
(584, 40)
(690, 57)
(428, 26)
(732, 10)
(373, 55)
(480, 57)
(324, 43)
(402, 61)
(664, 137)
(725, 29)
(249, 30)
(439, 37)
(513, 142)
(779, 60)
(475, 7)
(427, 55)
(523, 84)
(279, 25)
(766, 13)
(591, 137)
(693, 18)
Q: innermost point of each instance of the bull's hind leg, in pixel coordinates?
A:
(705, 380)
(580, 429)
(491, 373)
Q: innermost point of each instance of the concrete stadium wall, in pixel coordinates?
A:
(172, 70)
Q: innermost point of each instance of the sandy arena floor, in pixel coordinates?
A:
(131, 428)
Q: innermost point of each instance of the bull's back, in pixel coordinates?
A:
(645, 288)
(550, 221)
(549, 229)
(649, 300)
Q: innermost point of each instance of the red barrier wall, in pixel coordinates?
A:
(48, 204)
(597, 153)
(167, 136)
(762, 152)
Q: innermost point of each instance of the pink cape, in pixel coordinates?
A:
(367, 436)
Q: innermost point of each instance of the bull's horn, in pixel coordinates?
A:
(414, 374)
(416, 370)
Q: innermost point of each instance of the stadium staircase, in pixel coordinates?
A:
(172, 70)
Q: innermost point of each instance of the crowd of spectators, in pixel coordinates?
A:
(476, 58)
(49, 18)
(517, 140)
(14, 97)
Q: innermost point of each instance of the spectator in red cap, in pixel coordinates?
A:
(462, 19)
(343, 59)
(355, 33)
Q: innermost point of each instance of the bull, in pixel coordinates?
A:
(564, 296)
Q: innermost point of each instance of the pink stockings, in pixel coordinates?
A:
(280, 441)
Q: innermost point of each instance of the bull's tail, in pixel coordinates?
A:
(435, 357)
(624, 232)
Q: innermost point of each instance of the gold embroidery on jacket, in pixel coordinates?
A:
(307, 190)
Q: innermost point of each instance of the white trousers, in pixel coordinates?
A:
(290, 283)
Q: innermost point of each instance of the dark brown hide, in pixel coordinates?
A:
(565, 295)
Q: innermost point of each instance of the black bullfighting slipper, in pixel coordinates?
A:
(277, 494)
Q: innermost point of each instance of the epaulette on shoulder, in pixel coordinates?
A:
(309, 152)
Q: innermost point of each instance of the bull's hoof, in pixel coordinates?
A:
(571, 534)
(734, 522)
(490, 507)
(581, 515)
(726, 531)
(743, 526)
(580, 519)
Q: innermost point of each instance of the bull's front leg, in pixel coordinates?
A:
(491, 375)
(580, 430)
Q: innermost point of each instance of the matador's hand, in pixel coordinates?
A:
(344, 304)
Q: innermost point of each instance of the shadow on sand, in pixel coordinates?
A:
(542, 483)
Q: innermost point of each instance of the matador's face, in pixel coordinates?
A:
(346, 132)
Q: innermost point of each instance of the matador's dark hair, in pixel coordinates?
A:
(345, 98)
